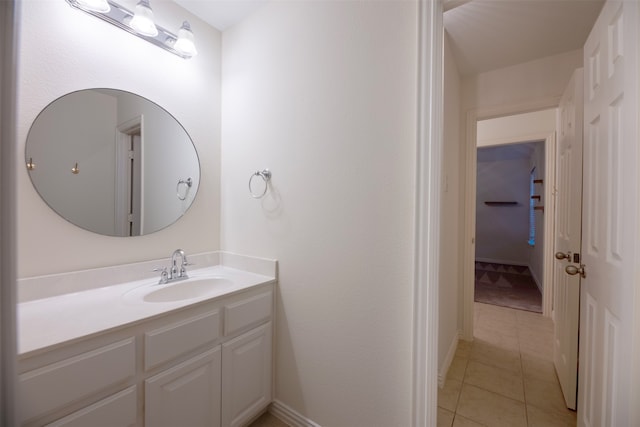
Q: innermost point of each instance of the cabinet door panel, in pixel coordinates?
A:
(118, 410)
(246, 379)
(187, 395)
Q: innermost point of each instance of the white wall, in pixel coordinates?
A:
(451, 215)
(324, 95)
(62, 50)
(516, 128)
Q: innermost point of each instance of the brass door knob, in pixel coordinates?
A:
(573, 270)
(562, 255)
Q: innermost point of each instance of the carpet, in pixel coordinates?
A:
(508, 286)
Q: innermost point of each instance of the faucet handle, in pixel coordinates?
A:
(164, 275)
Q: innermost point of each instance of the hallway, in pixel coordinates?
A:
(506, 376)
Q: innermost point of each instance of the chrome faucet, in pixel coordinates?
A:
(177, 271)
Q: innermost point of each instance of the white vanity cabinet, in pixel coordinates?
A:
(208, 364)
(246, 377)
(246, 359)
(187, 394)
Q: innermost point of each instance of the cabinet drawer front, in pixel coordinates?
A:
(168, 342)
(118, 410)
(55, 385)
(248, 312)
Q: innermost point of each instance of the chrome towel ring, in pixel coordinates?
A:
(188, 183)
(265, 174)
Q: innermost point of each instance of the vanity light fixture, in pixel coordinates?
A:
(142, 21)
(101, 6)
(141, 24)
(185, 43)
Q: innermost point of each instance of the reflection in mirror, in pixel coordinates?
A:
(112, 162)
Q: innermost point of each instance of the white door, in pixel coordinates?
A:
(566, 301)
(610, 222)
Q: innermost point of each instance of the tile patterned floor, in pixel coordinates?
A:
(506, 376)
(507, 285)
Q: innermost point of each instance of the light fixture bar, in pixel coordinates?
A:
(120, 16)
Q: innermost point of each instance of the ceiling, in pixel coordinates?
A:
(484, 34)
(490, 34)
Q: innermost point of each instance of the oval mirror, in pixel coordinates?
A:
(112, 162)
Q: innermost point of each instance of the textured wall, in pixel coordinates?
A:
(324, 94)
(63, 50)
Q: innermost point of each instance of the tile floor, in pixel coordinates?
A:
(506, 376)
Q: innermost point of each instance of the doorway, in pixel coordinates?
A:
(499, 127)
(509, 262)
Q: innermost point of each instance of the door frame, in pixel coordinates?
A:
(468, 274)
(635, 354)
(9, 17)
(122, 181)
(429, 137)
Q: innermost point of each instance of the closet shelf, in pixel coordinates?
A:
(500, 203)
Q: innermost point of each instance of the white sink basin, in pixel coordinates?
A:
(189, 289)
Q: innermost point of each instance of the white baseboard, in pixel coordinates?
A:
(442, 372)
(290, 416)
(503, 261)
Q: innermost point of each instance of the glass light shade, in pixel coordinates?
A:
(185, 43)
(142, 21)
(95, 5)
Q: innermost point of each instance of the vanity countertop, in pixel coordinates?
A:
(46, 322)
